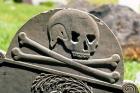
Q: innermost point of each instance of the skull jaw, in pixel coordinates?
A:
(80, 55)
(77, 52)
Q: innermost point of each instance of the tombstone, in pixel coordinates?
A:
(64, 51)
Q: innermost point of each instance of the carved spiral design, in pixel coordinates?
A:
(50, 83)
(130, 88)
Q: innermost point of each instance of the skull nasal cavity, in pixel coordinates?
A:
(91, 38)
(85, 45)
(75, 36)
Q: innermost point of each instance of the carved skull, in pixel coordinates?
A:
(77, 30)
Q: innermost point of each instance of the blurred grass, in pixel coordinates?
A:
(13, 16)
(131, 68)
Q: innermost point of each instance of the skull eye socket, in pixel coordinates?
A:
(90, 37)
(75, 36)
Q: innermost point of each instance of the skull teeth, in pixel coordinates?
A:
(81, 55)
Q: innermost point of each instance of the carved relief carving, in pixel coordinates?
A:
(79, 35)
(50, 83)
(77, 30)
(55, 57)
(129, 88)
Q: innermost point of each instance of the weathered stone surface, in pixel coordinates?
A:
(125, 23)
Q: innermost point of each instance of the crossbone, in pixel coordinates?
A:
(57, 58)
(19, 55)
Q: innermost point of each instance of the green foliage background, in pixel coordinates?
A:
(12, 17)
